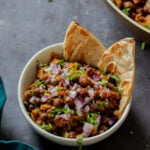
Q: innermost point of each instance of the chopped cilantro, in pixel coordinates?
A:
(104, 72)
(41, 64)
(77, 64)
(25, 103)
(148, 26)
(43, 86)
(59, 111)
(78, 72)
(46, 94)
(117, 90)
(88, 87)
(91, 118)
(60, 88)
(116, 78)
(66, 135)
(38, 83)
(61, 62)
(70, 77)
(31, 92)
(127, 10)
(143, 45)
(103, 82)
(46, 127)
(79, 141)
(53, 82)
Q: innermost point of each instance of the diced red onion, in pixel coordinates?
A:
(87, 100)
(111, 121)
(66, 105)
(31, 100)
(65, 73)
(53, 91)
(64, 116)
(44, 99)
(65, 83)
(91, 93)
(79, 103)
(87, 129)
(55, 68)
(86, 66)
(75, 86)
(98, 119)
(72, 94)
(96, 86)
(48, 69)
(86, 108)
(94, 104)
(78, 89)
(96, 77)
(52, 78)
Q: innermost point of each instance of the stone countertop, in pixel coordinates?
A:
(30, 25)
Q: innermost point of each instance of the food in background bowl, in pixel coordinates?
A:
(55, 99)
(138, 10)
(142, 32)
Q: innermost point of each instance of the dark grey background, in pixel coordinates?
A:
(26, 26)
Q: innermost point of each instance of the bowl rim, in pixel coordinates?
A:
(85, 141)
(126, 17)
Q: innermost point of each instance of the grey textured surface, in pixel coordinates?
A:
(30, 25)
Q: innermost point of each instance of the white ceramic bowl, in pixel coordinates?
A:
(28, 76)
(142, 32)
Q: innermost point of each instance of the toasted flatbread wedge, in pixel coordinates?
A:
(119, 59)
(81, 45)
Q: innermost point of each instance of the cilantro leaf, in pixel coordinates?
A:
(91, 118)
(115, 77)
(127, 10)
(47, 127)
(143, 45)
(103, 82)
(104, 72)
(148, 26)
(79, 141)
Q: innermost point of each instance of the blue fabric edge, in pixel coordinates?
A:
(18, 142)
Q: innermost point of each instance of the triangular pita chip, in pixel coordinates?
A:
(81, 45)
(119, 59)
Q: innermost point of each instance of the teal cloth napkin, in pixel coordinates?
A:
(2, 98)
(10, 145)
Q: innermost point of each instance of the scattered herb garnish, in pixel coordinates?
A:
(143, 45)
(79, 141)
(104, 72)
(148, 26)
(117, 90)
(41, 64)
(103, 82)
(50, 0)
(46, 94)
(126, 11)
(31, 92)
(61, 62)
(59, 111)
(47, 127)
(91, 118)
(70, 77)
(60, 88)
(116, 78)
